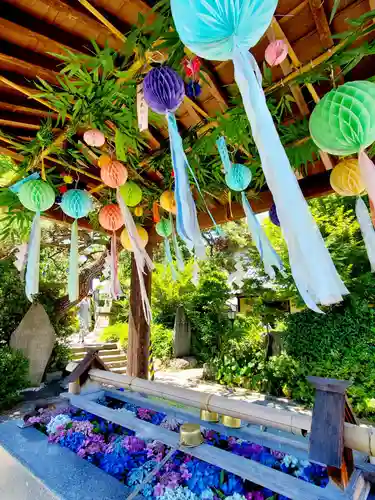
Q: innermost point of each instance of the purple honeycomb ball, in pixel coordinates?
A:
(164, 90)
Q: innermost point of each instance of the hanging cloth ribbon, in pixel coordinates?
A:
(238, 177)
(33, 259)
(73, 276)
(169, 259)
(115, 282)
(186, 217)
(176, 246)
(367, 230)
(313, 270)
(267, 253)
(141, 257)
(367, 170)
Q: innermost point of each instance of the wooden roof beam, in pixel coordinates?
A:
(126, 10)
(25, 125)
(29, 70)
(58, 13)
(322, 26)
(24, 110)
(30, 40)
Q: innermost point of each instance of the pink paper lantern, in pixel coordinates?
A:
(276, 52)
(94, 138)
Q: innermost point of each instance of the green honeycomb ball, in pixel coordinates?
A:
(344, 120)
(164, 228)
(37, 195)
(131, 193)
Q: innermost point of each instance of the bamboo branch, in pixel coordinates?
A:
(306, 68)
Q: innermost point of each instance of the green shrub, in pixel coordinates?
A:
(162, 341)
(116, 333)
(339, 344)
(14, 376)
(13, 301)
(208, 313)
(60, 356)
(162, 338)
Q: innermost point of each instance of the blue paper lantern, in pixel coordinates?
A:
(214, 29)
(238, 177)
(76, 203)
(225, 30)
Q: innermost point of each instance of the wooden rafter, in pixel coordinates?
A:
(29, 70)
(25, 110)
(31, 40)
(321, 22)
(58, 13)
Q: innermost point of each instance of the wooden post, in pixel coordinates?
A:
(139, 330)
(327, 429)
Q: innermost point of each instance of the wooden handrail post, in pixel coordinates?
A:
(331, 410)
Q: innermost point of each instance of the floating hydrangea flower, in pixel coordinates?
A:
(179, 493)
(172, 424)
(59, 421)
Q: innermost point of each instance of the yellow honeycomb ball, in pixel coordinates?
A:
(138, 211)
(125, 240)
(104, 161)
(168, 202)
(346, 178)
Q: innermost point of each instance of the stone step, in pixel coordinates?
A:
(103, 347)
(119, 370)
(118, 363)
(103, 354)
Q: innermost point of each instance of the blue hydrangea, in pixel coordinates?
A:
(73, 441)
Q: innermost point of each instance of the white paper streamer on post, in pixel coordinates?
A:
(141, 257)
(142, 109)
(367, 230)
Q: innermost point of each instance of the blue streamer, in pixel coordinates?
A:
(267, 253)
(168, 255)
(33, 259)
(176, 246)
(186, 218)
(313, 270)
(223, 151)
(219, 231)
(73, 278)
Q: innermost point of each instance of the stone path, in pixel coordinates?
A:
(192, 379)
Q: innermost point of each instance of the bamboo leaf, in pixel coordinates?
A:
(120, 145)
(336, 5)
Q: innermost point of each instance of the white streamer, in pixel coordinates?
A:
(313, 270)
(141, 257)
(367, 230)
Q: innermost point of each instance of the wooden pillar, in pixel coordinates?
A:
(139, 330)
(331, 410)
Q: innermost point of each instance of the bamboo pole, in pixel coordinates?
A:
(26, 92)
(356, 437)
